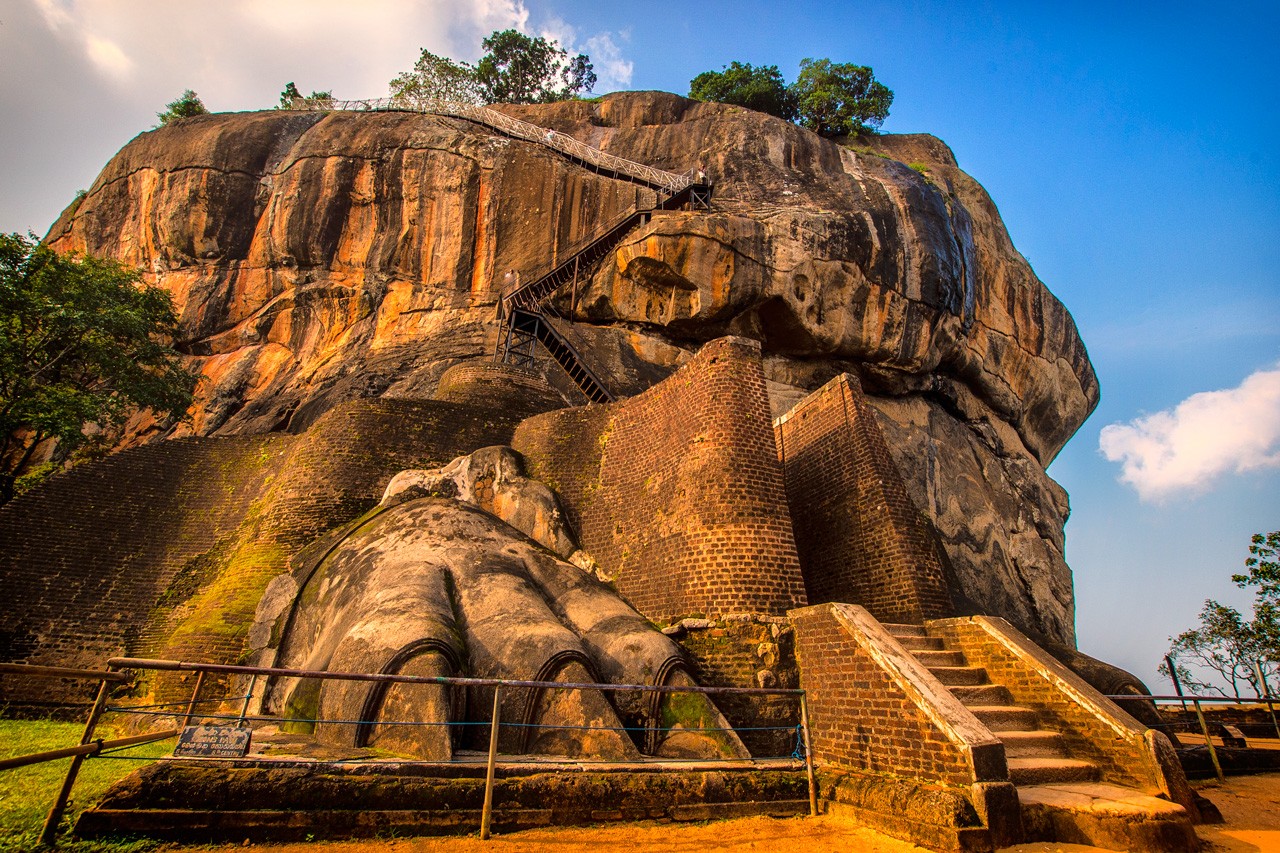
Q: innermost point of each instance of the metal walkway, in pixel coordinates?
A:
(524, 324)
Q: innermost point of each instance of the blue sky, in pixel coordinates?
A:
(1131, 149)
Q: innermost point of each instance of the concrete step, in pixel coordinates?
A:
(983, 694)
(1105, 816)
(932, 658)
(900, 630)
(956, 675)
(1006, 718)
(1033, 744)
(914, 644)
(1050, 771)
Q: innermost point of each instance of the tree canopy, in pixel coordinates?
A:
(833, 99)
(81, 343)
(516, 69)
(1226, 644)
(290, 97)
(187, 104)
(761, 89)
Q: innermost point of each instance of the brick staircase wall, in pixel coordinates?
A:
(859, 536)
(897, 750)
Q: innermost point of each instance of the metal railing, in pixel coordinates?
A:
(668, 182)
(114, 674)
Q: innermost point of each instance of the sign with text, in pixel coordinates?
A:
(213, 742)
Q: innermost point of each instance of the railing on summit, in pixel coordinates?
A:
(667, 182)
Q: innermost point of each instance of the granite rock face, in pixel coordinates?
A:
(320, 257)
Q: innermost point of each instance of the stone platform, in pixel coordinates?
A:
(284, 799)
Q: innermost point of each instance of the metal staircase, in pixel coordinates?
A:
(522, 311)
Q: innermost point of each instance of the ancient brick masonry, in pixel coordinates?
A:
(860, 719)
(860, 538)
(677, 492)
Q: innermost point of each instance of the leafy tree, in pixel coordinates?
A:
(1262, 569)
(291, 98)
(1226, 643)
(839, 98)
(521, 69)
(761, 89)
(188, 104)
(438, 78)
(82, 344)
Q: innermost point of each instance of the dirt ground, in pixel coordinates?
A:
(1250, 804)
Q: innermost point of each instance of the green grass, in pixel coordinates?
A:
(27, 792)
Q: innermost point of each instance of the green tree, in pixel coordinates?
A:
(187, 104)
(761, 89)
(437, 78)
(82, 344)
(521, 69)
(1262, 570)
(291, 98)
(1227, 644)
(835, 99)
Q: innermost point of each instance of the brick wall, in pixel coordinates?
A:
(860, 718)
(164, 550)
(748, 651)
(859, 536)
(677, 492)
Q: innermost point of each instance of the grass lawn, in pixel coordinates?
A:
(27, 792)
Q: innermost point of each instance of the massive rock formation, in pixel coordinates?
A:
(317, 258)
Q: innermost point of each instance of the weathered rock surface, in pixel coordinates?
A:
(320, 257)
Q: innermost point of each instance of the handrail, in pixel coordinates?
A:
(668, 182)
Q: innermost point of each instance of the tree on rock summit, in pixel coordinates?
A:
(516, 69)
(829, 98)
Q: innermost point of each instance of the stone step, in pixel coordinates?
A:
(900, 630)
(932, 658)
(983, 694)
(913, 644)
(1105, 816)
(956, 675)
(1033, 744)
(1050, 771)
(1006, 718)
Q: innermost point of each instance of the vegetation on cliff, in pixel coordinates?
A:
(829, 98)
(186, 105)
(81, 343)
(516, 69)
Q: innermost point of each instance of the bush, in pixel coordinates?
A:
(761, 89)
(187, 105)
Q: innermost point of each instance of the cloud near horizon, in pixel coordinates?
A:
(1186, 448)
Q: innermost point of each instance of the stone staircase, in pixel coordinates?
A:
(1062, 797)
(1035, 755)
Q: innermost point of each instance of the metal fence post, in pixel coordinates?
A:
(808, 755)
(195, 696)
(1204, 728)
(486, 816)
(1266, 691)
(49, 834)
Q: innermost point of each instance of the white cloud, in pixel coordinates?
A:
(613, 71)
(108, 56)
(1185, 448)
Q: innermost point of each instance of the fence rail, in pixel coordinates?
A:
(114, 674)
(668, 182)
